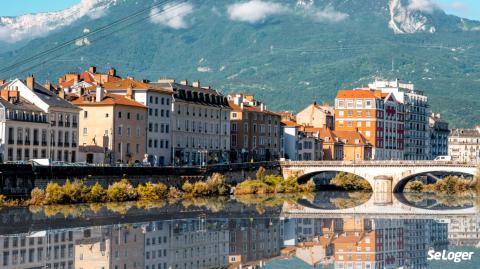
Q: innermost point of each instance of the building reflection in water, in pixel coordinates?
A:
(256, 241)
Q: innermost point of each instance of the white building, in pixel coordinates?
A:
(63, 118)
(23, 128)
(416, 116)
(464, 145)
(200, 123)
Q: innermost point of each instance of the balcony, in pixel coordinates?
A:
(35, 142)
(27, 142)
(19, 142)
(74, 125)
(44, 143)
(60, 123)
(11, 142)
(60, 144)
(67, 124)
(53, 123)
(66, 144)
(74, 145)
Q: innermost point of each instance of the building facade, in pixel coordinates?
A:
(416, 116)
(159, 102)
(114, 123)
(317, 116)
(255, 131)
(23, 128)
(63, 126)
(464, 145)
(438, 134)
(200, 124)
(377, 116)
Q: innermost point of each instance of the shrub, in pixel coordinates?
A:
(216, 184)
(97, 194)
(414, 186)
(54, 194)
(121, 191)
(75, 192)
(152, 192)
(350, 182)
(37, 197)
(174, 193)
(252, 187)
(3, 198)
(308, 187)
(260, 175)
(200, 189)
(187, 187)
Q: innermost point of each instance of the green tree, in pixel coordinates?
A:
(121, 191)
(414, 186)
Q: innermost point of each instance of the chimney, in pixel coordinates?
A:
(99, 94)
(61, 93)
(2, 81)
(92, 69)
(60, 80)
(196, 84)
(112, 72)
(47, 85)
(241, 106)
(129, 94)
(184, 82)
(130, 78)
(166, 80)
(262, 107)
(30, 82)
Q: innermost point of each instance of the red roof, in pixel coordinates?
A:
(357, 94)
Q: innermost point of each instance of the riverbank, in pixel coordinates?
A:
(77, 192)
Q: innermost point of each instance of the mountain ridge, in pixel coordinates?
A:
(303, 51)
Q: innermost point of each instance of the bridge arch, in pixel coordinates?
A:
(402, 182)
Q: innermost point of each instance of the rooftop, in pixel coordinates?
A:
(108, 100)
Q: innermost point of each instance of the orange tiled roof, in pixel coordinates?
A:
(357, 94)
(350, 137)
(289, 123)
(89, 78)
(236, 107)
(108, 100)
(135, 84)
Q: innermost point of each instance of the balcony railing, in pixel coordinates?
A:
(60, 123)
(44, 143)
(66, 144)
(74, 125)
(60, 144)
(35, 142)
(67, 124)
(19, 142)
(27, 142)
(11, 142)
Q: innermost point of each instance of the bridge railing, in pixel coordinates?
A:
(378, 163)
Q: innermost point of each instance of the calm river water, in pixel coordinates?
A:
(323, 230)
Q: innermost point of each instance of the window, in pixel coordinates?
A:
(85, 131)
(367, 133)
(341, 104)
(359, 123)
(120, 114)
(85, 114)
(359, 104)
(341, 113)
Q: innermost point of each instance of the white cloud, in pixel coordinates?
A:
(254, 11)
(31, 26)
(329, 14)
(423, 5)
(172, 15)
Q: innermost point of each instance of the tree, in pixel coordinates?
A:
(97, 194)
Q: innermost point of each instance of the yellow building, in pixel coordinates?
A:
(112, 128)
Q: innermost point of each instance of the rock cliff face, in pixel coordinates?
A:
(407, 20)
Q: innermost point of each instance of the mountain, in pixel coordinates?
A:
(288, 53)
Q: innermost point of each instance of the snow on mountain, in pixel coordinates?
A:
(30, 26)
(408, 19)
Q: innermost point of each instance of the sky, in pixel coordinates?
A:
(463, 8)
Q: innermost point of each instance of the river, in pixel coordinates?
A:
(327, 230)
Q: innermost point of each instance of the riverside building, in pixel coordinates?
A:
(464, 145)
(200, 123)
(416, 116)
(438, 136)
(113, 127)
(62, 116)
(255, 130)
(377, 116)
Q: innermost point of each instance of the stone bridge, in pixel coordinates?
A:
(379, 206)
(383, 176)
